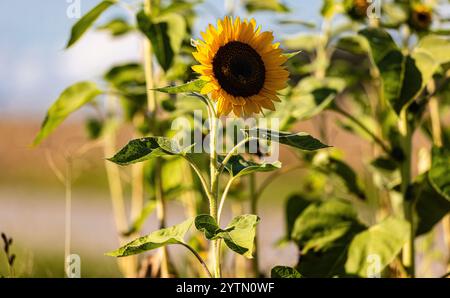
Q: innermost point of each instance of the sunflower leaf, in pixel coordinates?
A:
(156, 239)
(145, 148)
(70, 100)
(87, 20)
(192, 86)
(237, 166)
(299, 140)
(284, 272)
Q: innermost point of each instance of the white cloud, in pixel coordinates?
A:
(95, 53)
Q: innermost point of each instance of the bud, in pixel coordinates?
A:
(356, 9)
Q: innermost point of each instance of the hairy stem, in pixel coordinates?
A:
(254, 210)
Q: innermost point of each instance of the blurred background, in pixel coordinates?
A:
(34, 69)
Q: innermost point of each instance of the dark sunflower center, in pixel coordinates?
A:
(423, 17)
(239, 69)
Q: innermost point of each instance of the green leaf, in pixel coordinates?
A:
(295, 205)
(345, 173)
(313, 96)
(192, 86)
(305, 41)
(145, 148)
(117, 27)
(328, 8)
(128, 78)
(165, 33)
(139, 222)
(87, 20)
(207, 224)
(284, 272)
(437, 46)
(298, 140)
(171, 235)
(432, 192)
(237, 166)
(266, 5)
(323, 232)
(383, 241)
(70, 100)
(291, 55)
(404, 77)
(241, 238)
(239, 235)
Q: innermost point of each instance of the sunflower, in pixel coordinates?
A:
(357, 9)
(242, 67)
(420, 17)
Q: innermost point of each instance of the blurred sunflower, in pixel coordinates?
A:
(420, 17)
(356, 9)
(242, 67)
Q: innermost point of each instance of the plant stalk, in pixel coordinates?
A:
(254, 210)
(408, 204)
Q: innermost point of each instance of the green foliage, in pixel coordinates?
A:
(192, 86)
(298, 140)
(295, 205)
(432, 192)
(87, 20)
(117, 27)
(166, 33)
(267, 5)
(145, 148)
(284, 272)
(382, 241)
(323, 232)
(172, 235)
(137, 224)
(239, 235)
(70, 100)
(237, 166)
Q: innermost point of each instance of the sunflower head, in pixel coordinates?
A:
(420, 17)
(242, 67)
(356, 9)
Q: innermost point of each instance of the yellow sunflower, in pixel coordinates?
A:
(242, 67)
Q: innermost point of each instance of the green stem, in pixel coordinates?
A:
(254, 210)
(223, 198)
(233, 152)
(408, 204)
(199, 258)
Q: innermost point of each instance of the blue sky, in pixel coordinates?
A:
(35, 68)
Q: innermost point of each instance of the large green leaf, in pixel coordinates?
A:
(382, 242)
(192, 86)
(284, 272)
(165, 33)
(437, 46)
(70, 100)
(145, 148)
(237, 166)
(87, 20)
(239, 235)
(432, 192)
(403, 77)
(298, 140)
(171, 235)
(295, 205)
(323, 232)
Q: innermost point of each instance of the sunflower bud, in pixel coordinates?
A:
(420, 17)
(356, 9)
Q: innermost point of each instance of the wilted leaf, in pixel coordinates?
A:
(87, 20)
(171, 235)
(70, 100)
(383, 241)
(284, 272)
